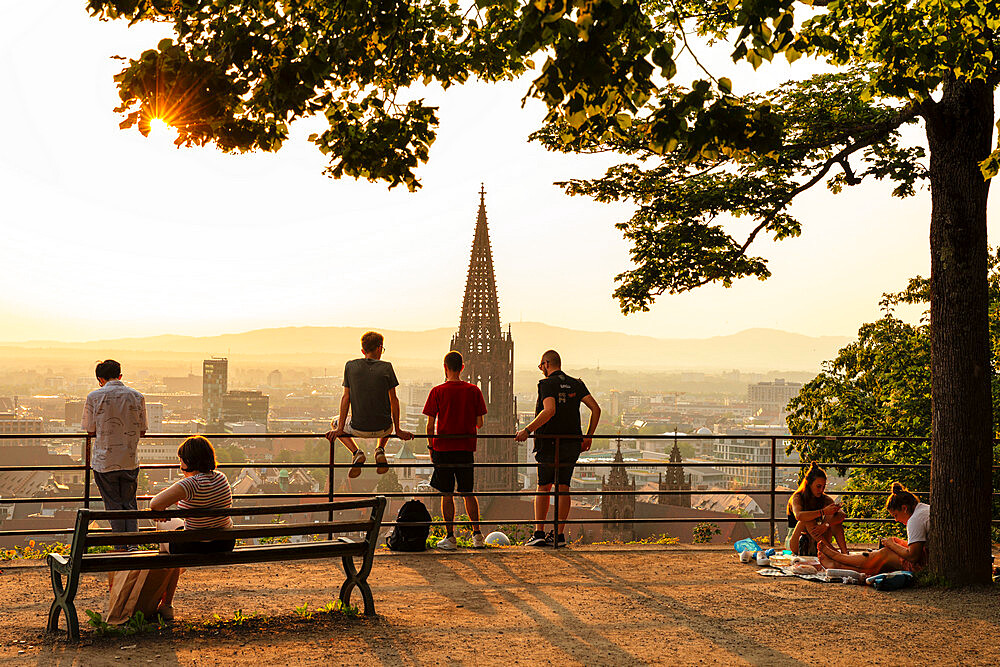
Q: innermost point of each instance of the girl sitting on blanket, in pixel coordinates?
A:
(813, 513)
(203, 487)
(894, 554)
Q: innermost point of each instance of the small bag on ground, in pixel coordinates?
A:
(410, 537)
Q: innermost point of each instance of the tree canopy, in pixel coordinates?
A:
(700, 160)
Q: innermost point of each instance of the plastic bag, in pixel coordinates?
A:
(746, 544)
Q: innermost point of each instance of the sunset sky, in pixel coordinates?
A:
(108, 234)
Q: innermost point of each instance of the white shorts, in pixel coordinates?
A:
(350, 430)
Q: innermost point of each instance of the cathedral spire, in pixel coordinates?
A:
(489, 360)
(480, 308)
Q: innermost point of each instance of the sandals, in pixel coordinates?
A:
(359, 460)
(383, 463)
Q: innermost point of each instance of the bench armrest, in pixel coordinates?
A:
(59, 563)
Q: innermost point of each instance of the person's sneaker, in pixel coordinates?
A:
(448, 543)
(562, 539)
(478, 541)
(539, 539)
(359, 460)
(381, 461)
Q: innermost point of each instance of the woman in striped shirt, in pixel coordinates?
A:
(203, 487)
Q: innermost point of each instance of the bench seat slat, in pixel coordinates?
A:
(153, 560)
(235, 533)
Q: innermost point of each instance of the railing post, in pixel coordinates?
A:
(86, 472)
(774, 468)
(555, 495)
(329, 484)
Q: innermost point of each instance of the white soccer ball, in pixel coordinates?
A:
(498, 539)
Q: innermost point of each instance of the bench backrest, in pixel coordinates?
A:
(84, 537)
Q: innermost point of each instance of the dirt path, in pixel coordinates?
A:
(588, 606)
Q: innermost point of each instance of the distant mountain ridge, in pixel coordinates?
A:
(752, 349)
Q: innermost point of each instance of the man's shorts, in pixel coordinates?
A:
(545, 453)
(353, 432)
(446, 478)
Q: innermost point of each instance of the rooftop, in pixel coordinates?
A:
(582, 605)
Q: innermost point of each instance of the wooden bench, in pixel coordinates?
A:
(79, 561)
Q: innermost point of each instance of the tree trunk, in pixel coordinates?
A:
(959, 132)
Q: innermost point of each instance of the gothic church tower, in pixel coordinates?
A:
(489, 361)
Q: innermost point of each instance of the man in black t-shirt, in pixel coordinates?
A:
(557, 413)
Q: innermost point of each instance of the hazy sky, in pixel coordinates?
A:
(108, 234)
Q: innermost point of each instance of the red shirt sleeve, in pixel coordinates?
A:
(431, 405)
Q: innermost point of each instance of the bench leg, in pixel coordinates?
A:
(360, 580)
(63, 603)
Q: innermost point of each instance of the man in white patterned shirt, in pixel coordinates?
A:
(115, 415)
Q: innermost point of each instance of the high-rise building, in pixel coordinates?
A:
(489, 361)
(214, 384)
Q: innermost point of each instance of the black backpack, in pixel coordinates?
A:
(412, 537)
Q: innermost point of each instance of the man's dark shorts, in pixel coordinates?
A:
(445, 478)
(545, 453)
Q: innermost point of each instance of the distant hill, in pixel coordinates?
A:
(753, 349)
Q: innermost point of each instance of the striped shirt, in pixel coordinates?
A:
(206, 490)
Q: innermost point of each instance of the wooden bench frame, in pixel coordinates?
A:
(79, 561)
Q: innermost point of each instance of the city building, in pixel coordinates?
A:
(245, 406)
(619, 508)
(11, 424)
(274, 378)
(214, 384)
(413, 397)
(489, 361)
(769, 399)
(673, 479)
(189, 384)
(754, 446)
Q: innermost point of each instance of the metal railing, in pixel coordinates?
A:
(331, 466)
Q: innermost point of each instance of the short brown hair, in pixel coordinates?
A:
(900, 498)
(371, 341)
(453, 360)
(197, 454)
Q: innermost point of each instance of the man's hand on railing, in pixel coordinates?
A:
(335, 433)
(403, 435)
(521, 435)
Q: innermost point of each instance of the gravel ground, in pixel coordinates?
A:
(586, 605)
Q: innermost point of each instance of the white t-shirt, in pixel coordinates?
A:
(916, 526)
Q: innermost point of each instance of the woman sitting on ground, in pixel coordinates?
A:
(203, 487)
(894, 554)
(813, 513)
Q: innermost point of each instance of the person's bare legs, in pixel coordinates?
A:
(349, 443)
(871, 563)
(542, 505)
(838, 534)
(472, 509)
(793, 544)
(448, 513)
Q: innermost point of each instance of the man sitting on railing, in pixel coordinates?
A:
(115, 416)
(557, 412)
(370, 394)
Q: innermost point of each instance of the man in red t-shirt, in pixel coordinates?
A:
(455, 408)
